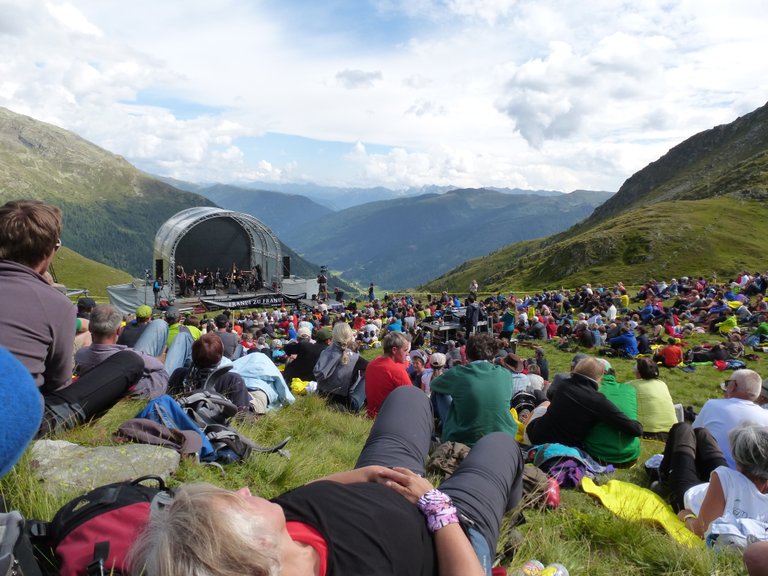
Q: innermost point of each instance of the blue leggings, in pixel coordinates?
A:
(488, 483)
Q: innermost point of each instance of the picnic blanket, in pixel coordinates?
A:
(634, 502)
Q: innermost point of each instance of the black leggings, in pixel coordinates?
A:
(92, 394)
(690, 456)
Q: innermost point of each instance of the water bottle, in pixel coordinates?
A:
(530, 568)
(554, 570)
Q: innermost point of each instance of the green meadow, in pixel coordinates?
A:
(581, 533)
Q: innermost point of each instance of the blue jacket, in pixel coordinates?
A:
(626, 342)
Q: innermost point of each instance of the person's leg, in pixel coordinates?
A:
(93, 393)
(709, 455)
(401, 433)
(180, 353)
(152, 340)
(487, 484)
(678, 468)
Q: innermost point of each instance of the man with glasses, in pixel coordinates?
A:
(37, 322)
(388, 371)
(722, 415)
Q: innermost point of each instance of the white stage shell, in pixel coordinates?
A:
(213, 237)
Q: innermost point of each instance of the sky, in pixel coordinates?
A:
(541, 94)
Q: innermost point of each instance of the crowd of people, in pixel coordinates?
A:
(474, 388)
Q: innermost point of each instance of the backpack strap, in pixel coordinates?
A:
(100, 555)
(214, 376)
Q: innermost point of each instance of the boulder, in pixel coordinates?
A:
(67, 469)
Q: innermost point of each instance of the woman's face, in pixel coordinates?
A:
(270, 513)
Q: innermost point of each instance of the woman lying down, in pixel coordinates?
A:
(381, 518)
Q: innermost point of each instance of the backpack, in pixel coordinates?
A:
(16, 552)
(91, 534)
(207, 407)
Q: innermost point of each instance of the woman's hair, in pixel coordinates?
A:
(344, 338)
(647, 368)
(205, 531)
(590, 367)
(749, 447)
(207, 350)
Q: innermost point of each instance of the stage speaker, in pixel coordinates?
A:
(159, 268)
(286, 266)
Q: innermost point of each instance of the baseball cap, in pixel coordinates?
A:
(171, 312)
(303, 332)
(418, 354)
(437, 360)
(324, 334)
(143, 311)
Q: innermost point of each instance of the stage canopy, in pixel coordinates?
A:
(200, 238)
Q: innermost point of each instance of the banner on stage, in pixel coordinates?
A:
(261, 301)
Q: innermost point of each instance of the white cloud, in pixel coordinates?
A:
(357, 78)
(520, 93)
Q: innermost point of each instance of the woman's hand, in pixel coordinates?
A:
(408, 484)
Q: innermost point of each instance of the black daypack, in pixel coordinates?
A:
(91, 534)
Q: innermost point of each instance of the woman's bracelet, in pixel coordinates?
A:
(438, 509)
(689, 516)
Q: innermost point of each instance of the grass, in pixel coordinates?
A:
(581, 533)
(71, 269)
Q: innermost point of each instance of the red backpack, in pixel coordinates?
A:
(91, 534)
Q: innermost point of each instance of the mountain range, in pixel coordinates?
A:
(700, 209)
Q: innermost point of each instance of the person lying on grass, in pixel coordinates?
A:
(381, 518)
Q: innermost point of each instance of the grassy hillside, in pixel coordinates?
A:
(731, 159)
(111, 210)
(76, 271)
(581, 534)
(667, 239)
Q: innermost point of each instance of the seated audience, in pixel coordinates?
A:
(104, 324)
(206, 372)
(727, 507)
(481, 394)
(606, 442)
(576, 408)
(720, 416)
(655, 409)
(388, 371)
(340, 370)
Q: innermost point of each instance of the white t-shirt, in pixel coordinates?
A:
(746, 509)
(722, 415)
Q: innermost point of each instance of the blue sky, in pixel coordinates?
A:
(538, 94)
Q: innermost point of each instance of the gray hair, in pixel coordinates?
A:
(748, 384)
(205, 531)
(749, 447)
(105, 320)
(394, 340)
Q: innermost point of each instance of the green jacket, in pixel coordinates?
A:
(607, 443)
(481, 394)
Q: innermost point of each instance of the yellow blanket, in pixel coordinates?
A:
(634, 502)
